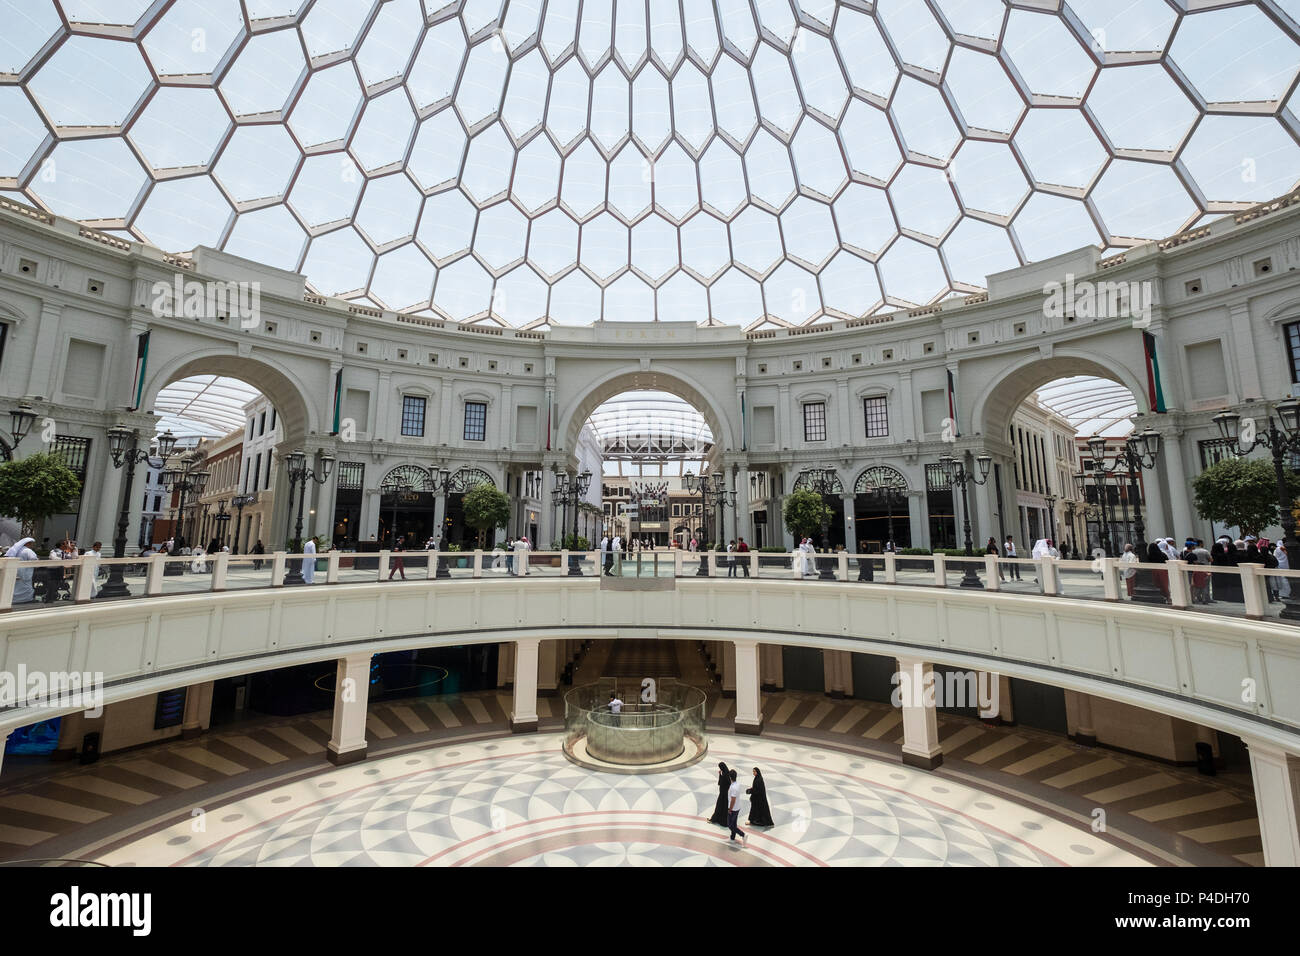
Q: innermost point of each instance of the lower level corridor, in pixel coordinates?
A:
(446, 782)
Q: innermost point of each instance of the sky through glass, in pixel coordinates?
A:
(751, 162)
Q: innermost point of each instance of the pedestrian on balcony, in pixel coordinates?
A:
(731, 558)
(992, 548)
(309, 561)
(24, 592)
(1160, 577)
(1283, 564)
(522, 547)
(258, 549)
(616, 548)
(742, 550)
(1009, 551)
(1129, 574)
(399, 564)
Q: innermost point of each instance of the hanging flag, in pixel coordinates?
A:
(1155, 394)
(338, 400)
(141, 364)
(952, 405)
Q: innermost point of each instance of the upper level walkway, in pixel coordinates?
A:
(1231, 665)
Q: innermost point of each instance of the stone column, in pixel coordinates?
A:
(773, 667)
(831, 685)
(917, 522)
(198, 710)
(1180, 508)
(505, 664)
(1276, 775)
(546, 529)
(749, 709)
(523, 716)
(1085, 732)
(728, 668)
(850, 525)
(351, 697)
(547, 668)
(920, 723)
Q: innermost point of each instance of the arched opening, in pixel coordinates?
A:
(656, 475)
(1046, 481)
(880, 510)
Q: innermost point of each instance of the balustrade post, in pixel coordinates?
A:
(153, 580)
(8, 581)
(940, 570)
(277, 569)
(83, 585)
(891, 567)
(1109, 578)
(1047, 574)
(844, 566)
(382, 570)
(332, 564)
(220, 567)
(478, 563)
(1253, 590)
(991, 580)
(1180, 592)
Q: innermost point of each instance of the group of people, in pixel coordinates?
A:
(1209, 587)
(516, 559)
(803, 554)
(51, 584)
(726, 811)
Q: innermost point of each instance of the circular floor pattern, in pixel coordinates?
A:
(518, 801)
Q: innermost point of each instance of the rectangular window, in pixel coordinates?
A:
(261, 425)
(413, 416)
(269, 460)
(1292, 334)
(814, 421)
(157, 502)
(251, 424)
(273, 419)
(876, 411)
(351, 475)
(475, 421)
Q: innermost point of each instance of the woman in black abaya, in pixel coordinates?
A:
(760, 814)
(719, 817)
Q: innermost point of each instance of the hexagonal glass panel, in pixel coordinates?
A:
(722, 179)
(91, 82)
(184, 214)
(975, 250)
(610, 101)
(756, 240)
(265, 74)
(341, 261)
(389, 208)
(705, 247)
(28, 27)
(1235, 56)
(604, 247)
(985, 95)
(438, 151)
(525, 102)
(326, 190)
(849, 285)
(923, 200)
(1135, 197)
(463, 290)
(403, 279)
(820, 79)
(192, 37)
(180, 127)
(520, 297)
(92, 179)
(911, 272)
(270, 235)
(1158, 120)
(1242, 156)
(447, 225)
(809, 231)
(681, 299)
(328, 108)
(988, 178)
(537, 175)
(654, 248)
(553, 243)
(257, 163)
(389, 41)
(1049, 57)
(502, 236)
(865, 219)
(1126, 25)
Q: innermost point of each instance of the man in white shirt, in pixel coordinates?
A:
(733, 810)
(606, 557)
(617, 547)
(1009, 549)
(615, 707)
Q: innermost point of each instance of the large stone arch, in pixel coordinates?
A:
(287, 393)
(999, 399)
(716, 411)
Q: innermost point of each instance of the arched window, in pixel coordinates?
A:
(879, 477)
(412, 476)
(468, 478)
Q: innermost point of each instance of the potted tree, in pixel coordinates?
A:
(486, 508)
(805, 513)
(36, 487)
(1242, 493)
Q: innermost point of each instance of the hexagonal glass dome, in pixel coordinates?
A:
(752, 162)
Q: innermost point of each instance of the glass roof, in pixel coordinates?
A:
(748, 162)
(1094, 406)
(206, 406)
(654, 419)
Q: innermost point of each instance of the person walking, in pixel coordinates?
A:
(615, 707)
(1009, 551)
(607, 556)
(719, 817)
(733, 810)
(992, 548)
(742, 550)
(309, 561)
(760, 814)
(731, 558)
(257, 549)
(1129, 574)
(616, 548)
(522, 547)
(510, 555)
(24, 591)
(97, 554)
(399, 564)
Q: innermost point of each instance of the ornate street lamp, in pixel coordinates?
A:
(570, 489)
(958, 475)
(1081, 484)
(299, 475)
(123, 447)
(1280, 437)
(21, 420)
(185, 476)
(440, 484)
(240, 502)
(707, 487)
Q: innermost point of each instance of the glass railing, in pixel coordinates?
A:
(643, 732)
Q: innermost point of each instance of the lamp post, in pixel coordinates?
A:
(1074, 531)
(1051, 515)
(722, 498)
(221, 521)
(240, 502)
(184, 477)
(959, 476)
(21, 420)
(399, 491)
(1081, 484)
(570, 489)
(706, 487)
(123, 447)
(1279, 437)
(439, 485)
(1140, 451)
(823, 481)
(300, 474)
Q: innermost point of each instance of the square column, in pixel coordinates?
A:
(351, 700)
(198, 710)
(749, 707)
(1276, 774)
(548, 668)
(728, 668)
(773, 667)
(506, 664)
(920, 722)
(523, 716)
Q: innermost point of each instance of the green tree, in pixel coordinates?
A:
(1242, 493)
(35, 487)
(805, 512)
(485, 508)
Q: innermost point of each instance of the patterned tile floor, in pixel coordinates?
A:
(1159, 813)
(519, 801)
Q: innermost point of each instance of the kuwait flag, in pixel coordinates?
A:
(141, 363)
(1154, 393)
(952, 405)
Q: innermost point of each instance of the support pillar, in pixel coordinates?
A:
(506, 664)
(920, 721)
(523, 715)
(749, 707)
(198, 710)
(351, 699)
(837, 674)
(548, 668)
(728, 662)
(1085, 732)
(773, 667)
(1276, 775)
